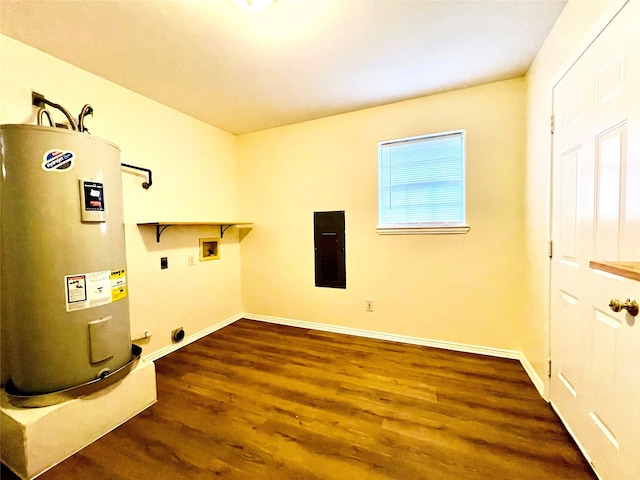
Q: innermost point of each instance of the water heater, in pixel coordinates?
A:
(64, 274)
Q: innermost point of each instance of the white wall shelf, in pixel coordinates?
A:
(224, 226)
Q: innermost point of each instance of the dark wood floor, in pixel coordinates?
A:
(261, 401)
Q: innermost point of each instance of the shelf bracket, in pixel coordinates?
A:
(159, 230)
(224, 228)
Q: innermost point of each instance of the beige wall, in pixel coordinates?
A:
(488, 288)
(575, 28)
(194, 178)
(457, 288)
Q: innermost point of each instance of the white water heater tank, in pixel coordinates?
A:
(64, 288)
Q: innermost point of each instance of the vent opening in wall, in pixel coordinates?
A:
(177, 335)
(329, 243)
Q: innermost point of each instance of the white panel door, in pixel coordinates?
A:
(595, 352)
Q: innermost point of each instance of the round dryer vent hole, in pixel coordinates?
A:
(177, 335)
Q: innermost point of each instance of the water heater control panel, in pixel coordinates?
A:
(92, 202)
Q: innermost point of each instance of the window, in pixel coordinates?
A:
(421, 185)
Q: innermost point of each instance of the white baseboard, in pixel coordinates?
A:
(533, 375)
(458, 347)
(191, 338)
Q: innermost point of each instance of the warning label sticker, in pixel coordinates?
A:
(86, 290)
(118, 285)
(76, 289)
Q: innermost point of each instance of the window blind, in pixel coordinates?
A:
(421, 181)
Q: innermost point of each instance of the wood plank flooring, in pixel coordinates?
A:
(262, 401)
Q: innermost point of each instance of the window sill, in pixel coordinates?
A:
(439, 230)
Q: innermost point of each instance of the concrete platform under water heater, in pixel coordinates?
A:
(36, 439)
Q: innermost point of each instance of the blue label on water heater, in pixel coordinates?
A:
(58, 160)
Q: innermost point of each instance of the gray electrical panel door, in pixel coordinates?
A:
(329, 242)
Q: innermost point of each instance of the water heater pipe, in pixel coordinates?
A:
(141, 336)
(86, 110)
(145, 185)
(38, 100)
(43, 112)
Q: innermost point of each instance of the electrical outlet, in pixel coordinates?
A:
(164, 262)
(368, 305)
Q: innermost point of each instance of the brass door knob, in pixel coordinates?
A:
(630, 305)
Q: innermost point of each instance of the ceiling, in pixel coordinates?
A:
(244, 71)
